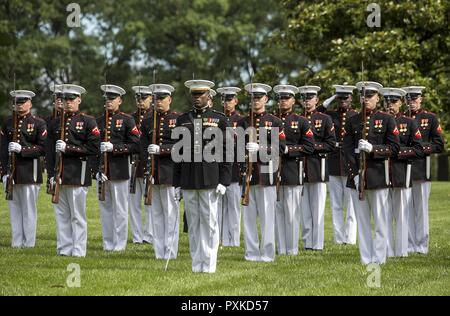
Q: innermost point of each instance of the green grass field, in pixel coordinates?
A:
(335, 271)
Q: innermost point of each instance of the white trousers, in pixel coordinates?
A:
(230, 216)
(375, 204)
(397, 220)
(287, 220)
(165, 219)
(344, 225)
(114, 212)
(23, 215)
(262, 202)
(418, 218)
(141, 229)
(71, 223)
(312, 215)
(202, 206)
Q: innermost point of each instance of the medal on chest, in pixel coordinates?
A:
(30, 128)
(119, 124)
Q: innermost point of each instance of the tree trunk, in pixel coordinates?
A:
(443, 168)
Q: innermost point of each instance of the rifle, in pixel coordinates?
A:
(278, 185)
(247, 176)
(104, 158)
(50, 187)
(151, 159)
(362, 154)
(59, 164)
(12, 155)
(55, 104)
(135, 158)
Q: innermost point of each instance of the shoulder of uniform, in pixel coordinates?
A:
(407, 118)
(272, 116)
(324, 116)
(219, 113)
(38, 119)
(87, 115)
(301, 118)
(183, 115)
(126, 115)
(382, 113)
(174, 114)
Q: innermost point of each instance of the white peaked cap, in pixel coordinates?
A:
(414, 89)
(199, 85)
(57, 88)
(258, 88)
(72, 89)
(22, 94)
(344, 88)
(369, 85)
(110, 88)
(141, 90)
(393, 92)
(309, 90)
(162, 88)
(229, 90)
(286, 89)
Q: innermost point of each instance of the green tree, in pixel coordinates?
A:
(409, 48)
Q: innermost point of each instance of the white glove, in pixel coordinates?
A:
(221, 189)
(252, 147)
(356, 179)
(101, 177)
(177, 194)
(106, 147)
(153, 149)
(14, 147)
(328, 101)
(152, 180)
(52, 181)
(364, 145)
(61, 146)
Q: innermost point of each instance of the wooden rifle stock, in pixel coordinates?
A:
(150, 176)
(362, 154)
(245, 198)
(104, 162)
(59, 163)
(278, 185)
(12, 162)
(151, 166)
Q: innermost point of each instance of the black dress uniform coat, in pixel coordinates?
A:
(202, 175)
(410, 149)
(432, 141)
(234, 120)
(383, 134)
(139, 117)
(82, 138)
(324, 143)
(300, 143)
(269, 122)
(164, 165)
(32, 136)
(124, 135)
(336, 162)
